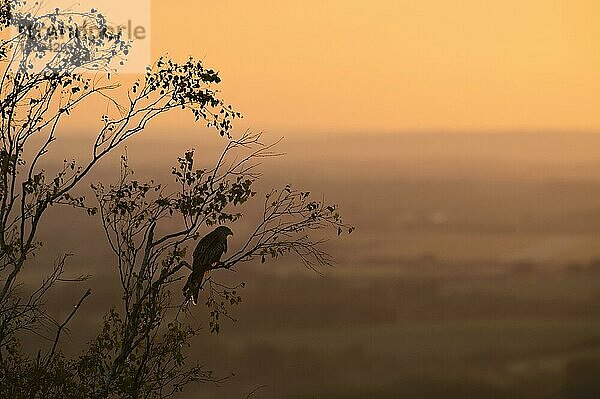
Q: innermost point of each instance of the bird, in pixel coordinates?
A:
(208, 252)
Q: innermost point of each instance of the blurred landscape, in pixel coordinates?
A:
(474, 270)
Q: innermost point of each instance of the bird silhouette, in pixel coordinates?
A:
(208, 252)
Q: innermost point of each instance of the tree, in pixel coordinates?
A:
(49, 69)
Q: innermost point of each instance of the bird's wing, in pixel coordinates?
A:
(201, 257)
(208, 251)
(217, 250)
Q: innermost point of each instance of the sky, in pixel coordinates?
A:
(388, 65)
(393, 65)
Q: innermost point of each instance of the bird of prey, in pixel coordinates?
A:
(208, 252)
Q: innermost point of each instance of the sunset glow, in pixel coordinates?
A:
(396, 65)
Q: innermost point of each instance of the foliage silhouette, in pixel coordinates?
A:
(49, 69)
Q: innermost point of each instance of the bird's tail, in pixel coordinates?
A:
(191, 290)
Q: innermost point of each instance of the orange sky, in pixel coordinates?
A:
(392, 65)
(396, 65)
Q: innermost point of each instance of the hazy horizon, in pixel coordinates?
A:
(453, 248)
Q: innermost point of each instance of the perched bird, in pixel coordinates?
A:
(208, 252)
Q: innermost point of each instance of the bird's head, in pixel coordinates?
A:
(224, 231)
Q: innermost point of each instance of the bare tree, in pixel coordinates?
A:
(140, 351)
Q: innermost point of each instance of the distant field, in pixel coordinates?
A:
(431, 340)
(500, 333)
(474, 271)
